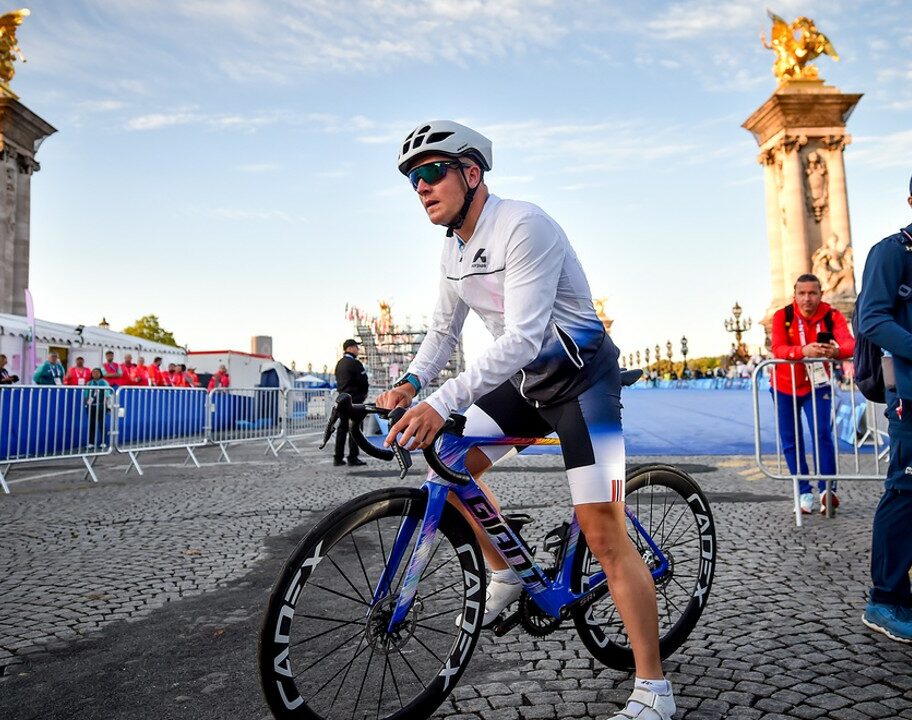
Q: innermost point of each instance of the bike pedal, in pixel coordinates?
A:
(506, 625)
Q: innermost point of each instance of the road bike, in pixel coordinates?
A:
(378, 610)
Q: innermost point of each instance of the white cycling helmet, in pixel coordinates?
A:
(445, 137)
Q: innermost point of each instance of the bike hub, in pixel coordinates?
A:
(377, 630)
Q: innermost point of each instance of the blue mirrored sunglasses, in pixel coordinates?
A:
(432, 172)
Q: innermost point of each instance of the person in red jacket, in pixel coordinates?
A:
(191, 377)
(155, 373)
(220, 379)
(176, 376)
(808, 329)
(79, 374)
(141, 376)
(128, 370)
(112, 372)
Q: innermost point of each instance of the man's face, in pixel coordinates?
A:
(443, 200)
(157, 362)
(807, 296)
(171, 367)
(109, 357)
(128, 359)
(353, 350)
(80, 362)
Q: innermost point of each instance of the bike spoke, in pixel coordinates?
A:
(393, 678)
(363, 680)
(678, 540)
(382, 686)
(433, 629)
(436, 656)
(345, 577)
(440, 590)
(325, 632)
(337, 647)
(438, 614)
(360, 559)
(405, 660)
(336, 592)
(345, 675)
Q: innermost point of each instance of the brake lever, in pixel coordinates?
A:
(403, 456)
(330, 426)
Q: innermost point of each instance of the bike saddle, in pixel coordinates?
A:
(629, 377)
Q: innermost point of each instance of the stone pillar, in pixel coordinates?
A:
(21, 133)
(801, 133)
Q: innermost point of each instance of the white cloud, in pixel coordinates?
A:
(100, 106)
(218, 121)
(259, 167)
(239, 214)
(883, 151)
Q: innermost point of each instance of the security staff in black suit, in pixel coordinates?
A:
(351, 378)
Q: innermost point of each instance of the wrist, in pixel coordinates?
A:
(409, 380)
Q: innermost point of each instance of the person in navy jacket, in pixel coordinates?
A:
(884, 316)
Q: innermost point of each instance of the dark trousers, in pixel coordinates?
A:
(821, 434)
(891, 541)
(341, 434)
(97, 424)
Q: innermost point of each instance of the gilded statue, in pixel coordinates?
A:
(793, 54)
(9, 46)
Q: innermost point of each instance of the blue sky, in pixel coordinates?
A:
(230, 164)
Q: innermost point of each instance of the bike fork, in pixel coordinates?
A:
(436, 502)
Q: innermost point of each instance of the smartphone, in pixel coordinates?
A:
(824, 337)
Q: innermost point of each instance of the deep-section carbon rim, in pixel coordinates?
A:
(325, 653)
(674, 512)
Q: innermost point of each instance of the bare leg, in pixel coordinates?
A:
(631, 586)
(477, 463)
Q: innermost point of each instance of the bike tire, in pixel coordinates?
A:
(684, 529)
(301, 603)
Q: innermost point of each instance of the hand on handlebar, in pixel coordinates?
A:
(419, 426)
(400, 396)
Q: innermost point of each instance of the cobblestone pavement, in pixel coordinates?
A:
(153, 588)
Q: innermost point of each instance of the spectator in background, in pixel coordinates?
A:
(156, 375)
(808, 328)
(884, 317)
(142, 373)
(50, 372)
(5, 377)
(79, 374)
(96, 402)
(128, 368)
(176, 376)
(351, 378)
(191, 377)
(220, 379)
(111, 371)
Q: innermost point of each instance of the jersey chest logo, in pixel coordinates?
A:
(480, 261)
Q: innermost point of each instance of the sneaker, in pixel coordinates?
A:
(806, 501)
(498, 597)
(647, 705)
(894, 621)
(338, 463)
(823, 502)
(356, 462)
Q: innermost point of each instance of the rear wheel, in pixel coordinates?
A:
(325, 652)
(673, 511)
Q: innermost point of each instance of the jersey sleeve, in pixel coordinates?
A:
(534, 258)
(883, 274)
(443, 334)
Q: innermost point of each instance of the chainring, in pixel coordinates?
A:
(533, 619)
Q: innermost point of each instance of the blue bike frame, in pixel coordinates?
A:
(552, 596)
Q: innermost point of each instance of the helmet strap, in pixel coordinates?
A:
(460, 218)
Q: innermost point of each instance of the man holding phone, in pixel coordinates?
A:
(812, 329)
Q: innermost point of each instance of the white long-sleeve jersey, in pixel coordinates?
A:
(519, 273)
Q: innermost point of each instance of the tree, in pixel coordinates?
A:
(147, 327)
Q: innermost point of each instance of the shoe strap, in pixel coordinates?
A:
(647, 699)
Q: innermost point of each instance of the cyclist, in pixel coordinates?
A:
(551, 368)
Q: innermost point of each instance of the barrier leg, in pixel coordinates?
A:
(90, 471)
(134, 462)
(288, 441)
(797, 496)
(4, 471)
(192, 456)
(224, 453)
(270, 447)
(829, 499)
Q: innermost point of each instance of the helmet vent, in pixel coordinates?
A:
(438, 137)
(418, 141)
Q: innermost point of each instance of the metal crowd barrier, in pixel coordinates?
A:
(856, 428)
(49, 422)
(242, 415)
(306, 412)
(46, 423)
(160, 418)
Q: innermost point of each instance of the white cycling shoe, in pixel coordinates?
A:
(647, 705)
(498, 597)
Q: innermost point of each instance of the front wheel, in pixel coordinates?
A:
(673, 511)
(325, 651)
